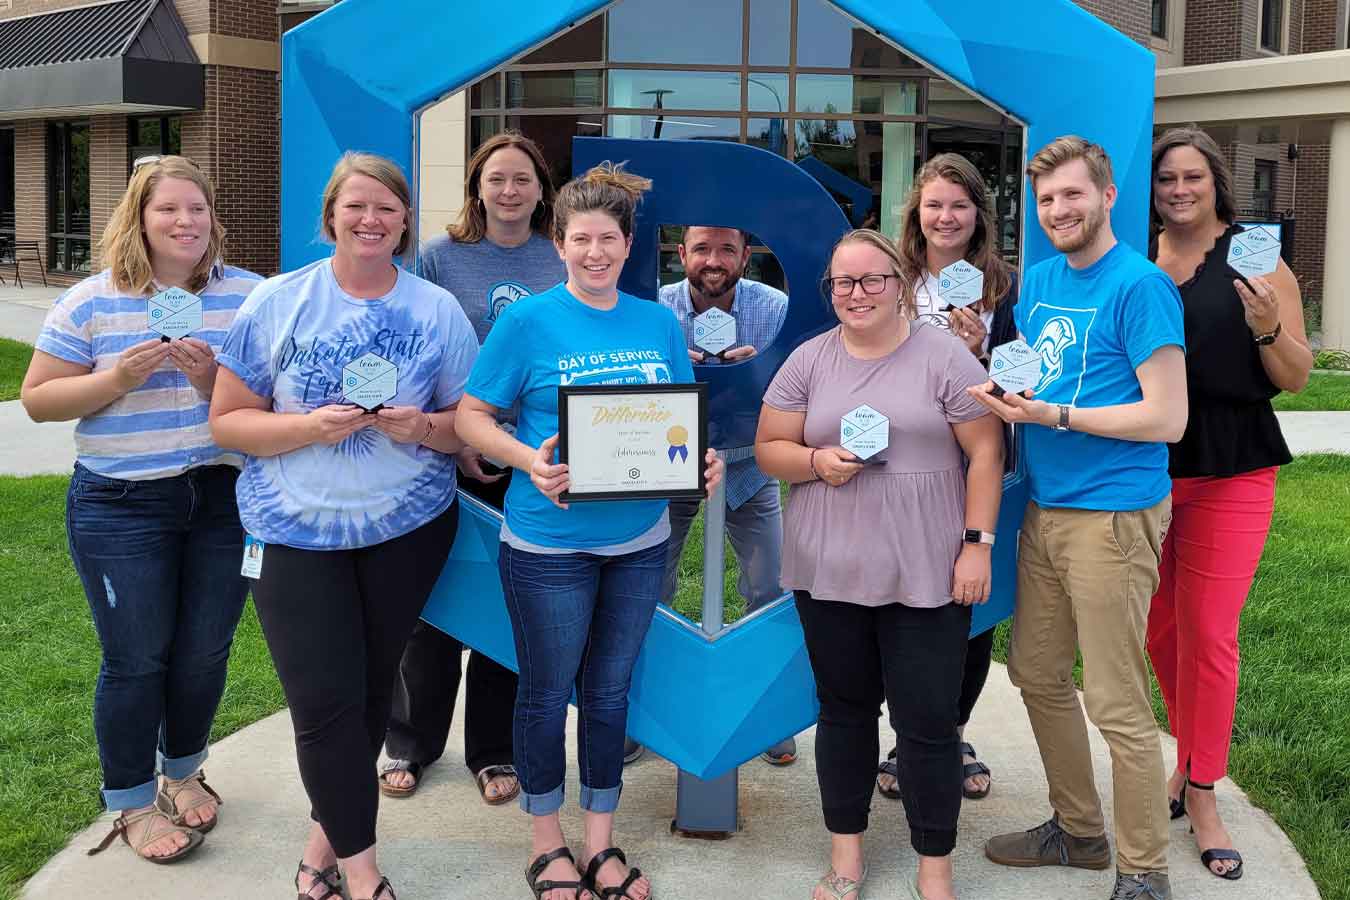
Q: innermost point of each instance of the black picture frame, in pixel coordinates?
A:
(565, 392)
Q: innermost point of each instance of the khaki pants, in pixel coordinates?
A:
(1085, 577)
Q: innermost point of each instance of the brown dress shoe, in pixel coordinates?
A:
(1049, 845)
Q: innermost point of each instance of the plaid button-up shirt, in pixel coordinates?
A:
(759, 311)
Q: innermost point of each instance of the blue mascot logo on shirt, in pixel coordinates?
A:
(503, 294)
(1062, 345)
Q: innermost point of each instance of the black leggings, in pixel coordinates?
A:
(336, 622)
(914, 659)
(979, 654)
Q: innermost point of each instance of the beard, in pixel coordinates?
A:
(700, 284)
(1091, 228)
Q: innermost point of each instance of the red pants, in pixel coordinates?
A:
(1219, 528)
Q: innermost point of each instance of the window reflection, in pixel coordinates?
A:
(769, 134)
(584, 43)
(677, 127)
(706, 32)
(554, 90)
(866, 94)
(767, 92)
(648, 89)
(554, 135)
(827, 39)
(770, 32)
(867, 166)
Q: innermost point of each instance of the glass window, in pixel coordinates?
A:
(767, 92)
(1263, 189)
(7, 181)
(652, 89)
(770, 32)
(947, 101)
(826, 39)
(68, 196)
(482, 128)
(584, 43)
(1272, 25)
(486, 93)
(1158, 19)
(768, 134)
(554, 136)
(698, 128)
(554, 90)
(154, 136)
(868, 170)
(692, 32)
(866, 94)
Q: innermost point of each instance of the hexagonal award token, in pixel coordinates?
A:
(1014, 366)
(369, 382)
(714, 331)
(960, 284)
(1255, 251)
(864, 432)
(174, 313)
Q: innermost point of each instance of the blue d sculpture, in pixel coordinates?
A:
(707, 703)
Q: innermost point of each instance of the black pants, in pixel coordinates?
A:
(979, 654)
(914, 659)
(428, 682)
(336, 622)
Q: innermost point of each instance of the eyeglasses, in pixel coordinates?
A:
(842, 285)
(147, 160)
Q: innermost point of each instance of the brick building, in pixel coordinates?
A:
(200, 77)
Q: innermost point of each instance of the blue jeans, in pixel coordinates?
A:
(160, 562)
(579, 621)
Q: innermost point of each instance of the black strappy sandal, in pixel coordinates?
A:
(618, 891)
(330, 879)
(537, 868)
(384, 890)
(976, 768)
(888, 767)
(1217, 854)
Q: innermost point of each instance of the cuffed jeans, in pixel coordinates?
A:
(579, 621)
(159, 561)
(1085, 578)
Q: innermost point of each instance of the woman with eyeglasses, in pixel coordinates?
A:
(151, 517)
(884, 547)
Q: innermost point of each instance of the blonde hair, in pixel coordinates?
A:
(386, 172)
(606, 188)
(1066, 149)
(123, 247)
(982, 253)
(877, 241)
(472, 223)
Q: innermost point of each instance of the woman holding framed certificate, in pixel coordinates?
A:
(582, 579)
(948, 221)
(340, 381)
(896, 483)
(151, 516)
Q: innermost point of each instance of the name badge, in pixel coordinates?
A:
(174, 313)
(960, 284)
(1255, 251)
(253, 557)
(714, 331)
(864, 432)
(369, 382)
(1015, 366)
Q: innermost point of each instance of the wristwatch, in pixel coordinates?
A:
(1063, 424)
(1265, 340)
(975, 536)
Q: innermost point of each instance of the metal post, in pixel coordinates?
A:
(707, 809)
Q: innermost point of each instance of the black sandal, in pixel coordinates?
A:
(1217, 854)
(329, 879)
(542, 887)
(400, 765)
(620, 891)
(383, 890)
(888, 767)
(971, 769)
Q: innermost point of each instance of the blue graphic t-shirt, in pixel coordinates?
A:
(552, 339)
(487, 278)
(1093, 327)
(290, 342)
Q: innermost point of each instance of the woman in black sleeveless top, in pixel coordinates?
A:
(1244, 344)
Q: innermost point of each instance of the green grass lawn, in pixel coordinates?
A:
(1291, 745)
(14, 357)
(1325, 391)
(48, 663)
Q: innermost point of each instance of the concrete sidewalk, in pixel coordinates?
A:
(22, 310)
(445, 843)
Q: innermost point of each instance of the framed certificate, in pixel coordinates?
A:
(633, 442)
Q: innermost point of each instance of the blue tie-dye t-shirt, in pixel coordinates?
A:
(548, 339)
(289, 343)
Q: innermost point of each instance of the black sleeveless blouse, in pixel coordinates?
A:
(1232, 428)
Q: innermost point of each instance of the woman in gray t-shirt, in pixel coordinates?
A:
(896, 481)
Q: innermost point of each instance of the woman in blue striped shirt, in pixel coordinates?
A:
(151, 517)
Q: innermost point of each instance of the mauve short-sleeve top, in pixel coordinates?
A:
(893, 532)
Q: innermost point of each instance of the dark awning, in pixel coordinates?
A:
(122, 56)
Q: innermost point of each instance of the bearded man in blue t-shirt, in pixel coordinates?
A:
(1107, 324)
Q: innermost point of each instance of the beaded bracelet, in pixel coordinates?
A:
(812, 463)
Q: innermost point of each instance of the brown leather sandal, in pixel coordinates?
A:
(330, 879)
(199, 794)
(160, 824)
(487, 773)
(400, 765)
